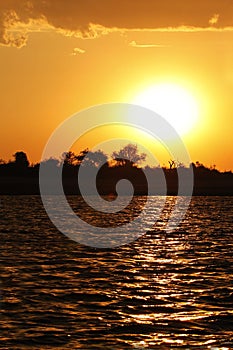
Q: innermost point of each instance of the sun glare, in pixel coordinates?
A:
(172, 102)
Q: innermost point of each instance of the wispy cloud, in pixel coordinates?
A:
(19, 18)
(181, 29)
(77, 51)
(214, 19)
(14, 32)
(135, 44)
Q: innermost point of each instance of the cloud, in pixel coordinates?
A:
(90, 19)
(135, 44)
(77, 51)
(11, 38)
(180, 29)
(214, 19)
(15, 33)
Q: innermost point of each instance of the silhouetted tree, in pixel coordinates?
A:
(70, 159)
(17, 177)
(82, 155)
(94, 159)
(172, 164)
(129, 155)
(51, 167)
(199, 165)
(21, 160)
(51, 163)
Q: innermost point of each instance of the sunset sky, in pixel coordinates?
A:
(58, 57)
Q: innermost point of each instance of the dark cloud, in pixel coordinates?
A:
(89, 18)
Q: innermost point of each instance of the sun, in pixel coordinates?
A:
(174, 103)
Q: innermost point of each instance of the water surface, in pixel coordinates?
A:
(162, 291)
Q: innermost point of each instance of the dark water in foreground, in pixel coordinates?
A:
(162, 291)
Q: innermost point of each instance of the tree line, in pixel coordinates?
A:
(19, 176)
(128, 155)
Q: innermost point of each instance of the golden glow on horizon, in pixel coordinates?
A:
(118, 137)
(43, 83)
(172, 102)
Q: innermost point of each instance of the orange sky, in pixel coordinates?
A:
(58, 57)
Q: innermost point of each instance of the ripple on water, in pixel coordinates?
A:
(163, 290)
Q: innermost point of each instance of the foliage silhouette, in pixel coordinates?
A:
(21, 160)
(20, 177)
(129, 156)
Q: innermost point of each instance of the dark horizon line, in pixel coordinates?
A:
(175, 163)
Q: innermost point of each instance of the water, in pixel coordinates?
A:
(162, 291)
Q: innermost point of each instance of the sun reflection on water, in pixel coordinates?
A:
(163, 290)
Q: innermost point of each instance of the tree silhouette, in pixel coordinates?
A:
(50, 163)
(21, 160)
(172, 163)
(129, 155)
(94, 159)
(81, 155)
(17, 177)
(70, 159)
